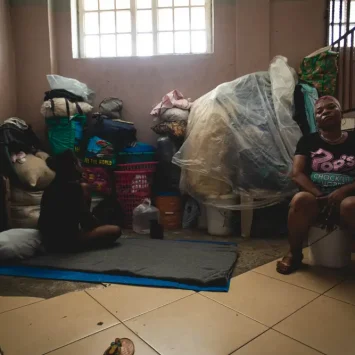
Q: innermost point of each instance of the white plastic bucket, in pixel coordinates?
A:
(330, 249)
(219, 218)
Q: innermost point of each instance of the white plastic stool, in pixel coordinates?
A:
(329, 249)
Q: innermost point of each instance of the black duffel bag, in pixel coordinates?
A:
(120, 133)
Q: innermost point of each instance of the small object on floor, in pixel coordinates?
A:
(1, 352)
(156, 230)
(122, 346)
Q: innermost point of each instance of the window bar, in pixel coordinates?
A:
(133, 27)
(344, 70)
(209, 25)
(190, 29)
(333, 19)
(99, 19)
(351, 70)
(116, 37)
(341, 17)
(337, 82)
(81, 14)
(155, 26)
(174, 42)
(348, 12)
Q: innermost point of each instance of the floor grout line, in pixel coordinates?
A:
(251, 340)
(232, 309)
(144, 341)
(287, 336)
(155, 309)
(26, 305)
(85, 337)
(337, 299)
(308, 303)
(122, 322)
(289, 283)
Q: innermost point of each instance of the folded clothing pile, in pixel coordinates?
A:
(172, 114)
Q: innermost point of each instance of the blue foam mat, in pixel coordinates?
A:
(55, 274)
(66, 275)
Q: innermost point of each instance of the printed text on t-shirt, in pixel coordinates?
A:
(323, 160)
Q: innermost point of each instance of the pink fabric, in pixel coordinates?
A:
(98, 179)
(173, 99)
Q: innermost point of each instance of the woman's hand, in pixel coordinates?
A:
(336, 197)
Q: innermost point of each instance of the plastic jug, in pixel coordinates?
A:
(143, 215)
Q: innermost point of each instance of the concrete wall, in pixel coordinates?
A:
(248, 33)
(7, 64)
(266, 28)
(32, 49)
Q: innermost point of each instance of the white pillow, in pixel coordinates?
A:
(19, 243)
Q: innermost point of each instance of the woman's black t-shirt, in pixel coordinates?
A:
(329, 166)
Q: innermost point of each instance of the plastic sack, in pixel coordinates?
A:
(72, 85)
(142, 215)
(175, 129)
(175, 114)
(24, 216)
(191, 214)
(111, 107)
(241, 140)
(20, 197)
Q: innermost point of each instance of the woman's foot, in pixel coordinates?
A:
(290, 263)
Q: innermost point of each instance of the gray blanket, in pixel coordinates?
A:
(202, 264)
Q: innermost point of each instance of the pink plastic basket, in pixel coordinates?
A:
(147, 167)
(133, 186)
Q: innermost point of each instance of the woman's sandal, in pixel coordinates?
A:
(289, 264)
(121, 346)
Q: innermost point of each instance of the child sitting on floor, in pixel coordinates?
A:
(65, 221)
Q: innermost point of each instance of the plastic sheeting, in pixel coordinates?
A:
(241, 140)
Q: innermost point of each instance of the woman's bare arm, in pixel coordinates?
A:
(301, 179)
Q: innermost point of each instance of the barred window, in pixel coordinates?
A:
(341, 18)
(115, 28)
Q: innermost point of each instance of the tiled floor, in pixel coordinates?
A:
(311, 312)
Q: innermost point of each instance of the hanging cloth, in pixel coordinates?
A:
(310, 95)
(299, 115)
(320, 69)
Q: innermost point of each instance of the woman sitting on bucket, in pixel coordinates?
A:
(324, 169)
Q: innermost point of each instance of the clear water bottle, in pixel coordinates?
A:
(143, 215)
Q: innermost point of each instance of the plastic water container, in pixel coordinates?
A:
(330, 249)
(143, 215)
(95, 200)
(219, 219)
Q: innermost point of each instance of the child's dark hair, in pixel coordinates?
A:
(64, 164)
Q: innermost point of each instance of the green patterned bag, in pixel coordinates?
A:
(321, 71)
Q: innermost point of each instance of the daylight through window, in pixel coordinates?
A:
(341, 19)
(115, 28)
